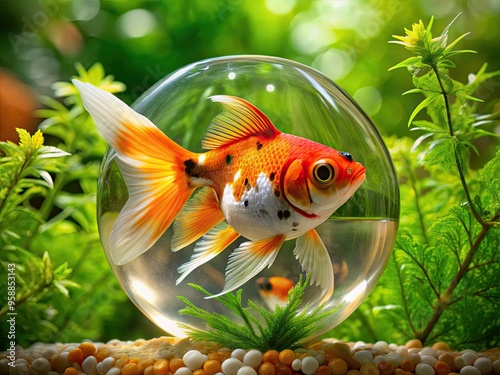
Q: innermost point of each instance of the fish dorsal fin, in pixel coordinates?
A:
(239, 120)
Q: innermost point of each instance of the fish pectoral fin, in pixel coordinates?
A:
(239, 120)
(248, 260)
(199, 215)
(295, 186)
(315, 260)
(152, 166)
(211, 245)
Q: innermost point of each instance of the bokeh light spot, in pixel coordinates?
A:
(136, 23)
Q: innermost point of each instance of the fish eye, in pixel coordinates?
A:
(323, 173)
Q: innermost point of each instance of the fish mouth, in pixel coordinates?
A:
(359, 175)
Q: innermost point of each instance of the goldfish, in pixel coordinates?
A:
(274, 290)
(253, 181)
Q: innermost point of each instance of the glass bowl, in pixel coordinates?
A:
(299, 100)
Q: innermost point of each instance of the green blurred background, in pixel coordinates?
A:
(140, 41)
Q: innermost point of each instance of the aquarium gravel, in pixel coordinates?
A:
(172, 356)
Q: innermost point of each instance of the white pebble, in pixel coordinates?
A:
(231, 366)
(309, 365)
(252, 358)
(246, 370)
(469, 370)
(379, 358)
(363, 357)
(424, 369)
(394, 358)
(496, 367)
(194, 360)
(183, 371)
(297, 364)
(469, 357)
(320, 358)
(238, 354)
(114, 371)
(428, 351)
(483, 364)
(89, 365)
(459, 361)
(429, 359)
(104, 366)
(40, 366)
(359, 345)
(381, 346)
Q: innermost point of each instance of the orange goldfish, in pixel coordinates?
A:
(274, 290)
(254, 181)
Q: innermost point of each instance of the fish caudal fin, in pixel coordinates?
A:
(152, 166)
(211, 245)
(315, 260)
(248, 260)
(198, 216)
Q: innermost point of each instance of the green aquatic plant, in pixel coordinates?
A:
(61, 288)
(443, 281)
(284, 328)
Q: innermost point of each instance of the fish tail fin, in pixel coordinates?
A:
(153, 167)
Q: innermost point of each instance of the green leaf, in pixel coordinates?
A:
(427, 101)
(406, 63)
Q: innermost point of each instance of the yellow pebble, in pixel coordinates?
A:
(415, 343)
(286, 357)
(87, 349)
(267, 368)
(71, 371)
(338, 366)
(130, 369)
(149, 370)
(160, 367)
(212, 367)
(369, 368)
(441, 346)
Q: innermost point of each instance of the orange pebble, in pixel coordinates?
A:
(353, 372)
(283, 370)
(149, 370)
(407, 365)
(87, 349)
(441, 346)
(267, 368)
(76, 355)
(322, 370)
(271, 356)
(142, 365)
(400, 371)
(441, 368)
(212, 367)
(200, 371)
(102, 354)
(415, 343)
(130, 369)
(446, 358)
(134, 360)
(385, 368)
(71, 371)
(175, 364)
(160, 367)
(286, 357)
(338, 366)
(120, 362)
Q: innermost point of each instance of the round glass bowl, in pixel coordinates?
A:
(301, 101)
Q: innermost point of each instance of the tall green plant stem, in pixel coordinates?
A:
(458, 161)
(445, 299)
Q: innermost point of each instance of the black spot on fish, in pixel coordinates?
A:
(229, 159)
(271, 176)
(246, 181)
(190, 165)
(280, 215)
(263, 212)
(294, 229)
(295, 224)
(286, 214)
(346, 155)
(277, 193)
(246, 203)
(259, 146)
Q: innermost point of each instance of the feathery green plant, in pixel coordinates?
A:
(284, 328)
(448, 266)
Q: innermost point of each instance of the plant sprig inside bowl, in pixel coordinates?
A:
(285, 328)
